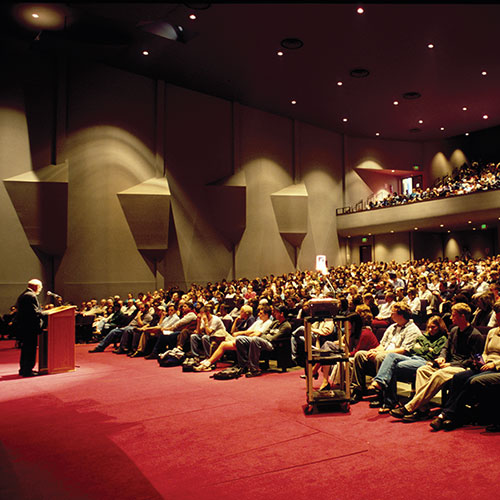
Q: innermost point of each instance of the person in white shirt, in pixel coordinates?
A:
(260, 326)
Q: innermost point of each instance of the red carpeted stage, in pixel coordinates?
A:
(126, 429)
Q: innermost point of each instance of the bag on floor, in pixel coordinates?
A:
(228, 373)
(188, 364)
(172, 358)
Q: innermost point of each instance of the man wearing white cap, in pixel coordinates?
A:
(29, 320)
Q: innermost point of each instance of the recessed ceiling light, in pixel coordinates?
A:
(464, 108)
(392, 231)
(416, 228)
(377, 133)
(449, 231)
(359, 73)
(430, 46)
(485, 117)
(420, 121)
(293, 101)
(392, 171)
(145, 53)
(484, 73)
(192, 17)
(473, 228)
(396, 103)
(340, 84)
(35, 15)
(369, 234)
(469, 222)
(441, 225)
(466, 134)
(344, 120)
(292, 43)
(360, 10)
(280, 53)
(412, 95)
(442, 128)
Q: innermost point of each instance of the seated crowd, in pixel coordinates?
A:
(430, 323)
(464, 180)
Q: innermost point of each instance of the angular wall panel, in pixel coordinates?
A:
(290, 206)
(147, 209)
(41, 202)
(228, 204)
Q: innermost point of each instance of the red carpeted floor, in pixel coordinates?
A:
(124, 428)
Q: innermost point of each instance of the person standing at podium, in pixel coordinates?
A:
(29, 320)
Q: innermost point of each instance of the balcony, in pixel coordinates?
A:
(435, 215)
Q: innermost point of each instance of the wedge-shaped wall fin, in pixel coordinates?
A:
(40, 199)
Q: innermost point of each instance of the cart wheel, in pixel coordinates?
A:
(308, 410)
(345, 407)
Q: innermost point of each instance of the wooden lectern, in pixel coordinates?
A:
(56, 353)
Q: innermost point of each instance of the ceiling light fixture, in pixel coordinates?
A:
(35, 15)
(442, 128)
(344, 120)
(192, 17)
(293, 101)
(360, 10)
(339, 84)
(485, 117)
(430, 46)
(145, 53)
(396, 103)
(484, 73)
(377, 133)
(359, 73)
(466, 134)
(464, 108)
(420, 121)
(280, 53)
(412, 95)
(292, 43)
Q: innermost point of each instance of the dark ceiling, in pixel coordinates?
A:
(231, 51)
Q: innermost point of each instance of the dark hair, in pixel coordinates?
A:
(281, 308)
(357, 326)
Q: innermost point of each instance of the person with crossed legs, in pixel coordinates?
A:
(463, 342)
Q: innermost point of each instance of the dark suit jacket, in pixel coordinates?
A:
(29, 316)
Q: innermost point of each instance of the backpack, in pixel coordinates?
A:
(171, 358)
(228, 373)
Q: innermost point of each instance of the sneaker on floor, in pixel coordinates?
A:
(203, 368)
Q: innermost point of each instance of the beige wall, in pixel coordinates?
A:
(109, 145)
(319, 155)
(373, 154)
(117, 130)
(18, 262)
